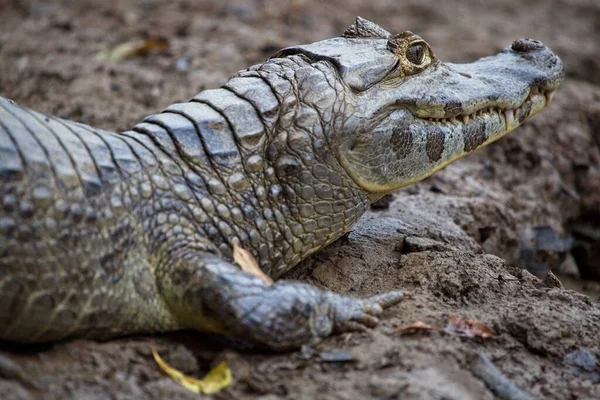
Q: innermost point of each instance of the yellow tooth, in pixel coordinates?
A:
(510, 120)
(549, 96)
(454, 120)
(466, 119)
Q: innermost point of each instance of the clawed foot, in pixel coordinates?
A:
(352, 314)
(288, 315)
(281, 316)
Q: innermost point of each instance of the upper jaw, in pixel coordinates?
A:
(535, 100)
(516, 83)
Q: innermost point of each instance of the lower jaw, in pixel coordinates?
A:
(506, 121)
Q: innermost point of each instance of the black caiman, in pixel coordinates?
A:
(105, 234)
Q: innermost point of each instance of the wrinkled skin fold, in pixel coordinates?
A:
(105, 234)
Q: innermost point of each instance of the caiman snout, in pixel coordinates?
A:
(538, 62)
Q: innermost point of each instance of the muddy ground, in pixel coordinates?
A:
(457, 242)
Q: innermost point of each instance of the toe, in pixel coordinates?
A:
(372, 308)
(352, 326)
(366, 319)
(388, 299)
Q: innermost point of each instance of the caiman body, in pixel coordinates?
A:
(104, 234)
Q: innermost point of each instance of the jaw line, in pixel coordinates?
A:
(538, 98)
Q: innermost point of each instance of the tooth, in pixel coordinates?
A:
(549, 96)
(466, 119)
(508, 114)
(454, 120)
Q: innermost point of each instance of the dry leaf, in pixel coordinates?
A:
(469, 328)
(248, 264)
(218, 378)
(415, 327)
(132, 49)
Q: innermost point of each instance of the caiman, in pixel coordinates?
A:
(105, 234)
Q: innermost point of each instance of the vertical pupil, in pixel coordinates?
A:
(415, 54)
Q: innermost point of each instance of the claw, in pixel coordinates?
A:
(351, 326)
(372, 308)
(388, 299)
(359, 314)
(366, 320)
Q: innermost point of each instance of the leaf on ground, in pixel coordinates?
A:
(248, 264)
(217, 379)
(469, 328)
(415, 327)
(133, 49)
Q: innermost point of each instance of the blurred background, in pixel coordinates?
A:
(48, 48)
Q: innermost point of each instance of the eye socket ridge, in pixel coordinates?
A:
(413, 53)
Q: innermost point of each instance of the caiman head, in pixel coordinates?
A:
(406, 114)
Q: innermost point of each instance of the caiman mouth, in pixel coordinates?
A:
(536, 100)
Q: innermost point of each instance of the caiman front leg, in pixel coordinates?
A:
(207, 293)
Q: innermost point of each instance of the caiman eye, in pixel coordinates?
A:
(416, 53)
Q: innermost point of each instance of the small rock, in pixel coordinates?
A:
(306, 352)
(583, 364)
(552, 281)
(336, 355)
(383, 203)
(543, 249)
(416, 244)
(183, 63)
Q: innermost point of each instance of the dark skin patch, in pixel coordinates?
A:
(401, 141)
(453, 108)
(475, 136)
(435, 143)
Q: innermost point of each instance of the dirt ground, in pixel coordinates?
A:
(460, 243)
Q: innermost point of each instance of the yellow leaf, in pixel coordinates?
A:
(248, 264)
(133, 49)
(218, 378)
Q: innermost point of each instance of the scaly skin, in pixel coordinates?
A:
(105, 234)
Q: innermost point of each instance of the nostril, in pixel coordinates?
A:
(525, 45)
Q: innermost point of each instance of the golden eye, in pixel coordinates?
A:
(416, 53)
